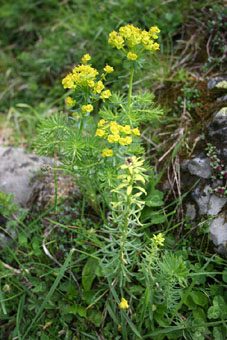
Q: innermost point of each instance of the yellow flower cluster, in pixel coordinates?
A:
(132, 56)
(107, 153)
(105, 94)
(115, 133)
(84, 76)
(135, 39)
(158, 240)
(116, 40)
(85, 58)
(108, 69)
(81, 76)
(87, 108)
(70, 102)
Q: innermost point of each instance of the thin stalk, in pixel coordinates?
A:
(124, 234)
(81, 124)
(130, 87)
(55, 188)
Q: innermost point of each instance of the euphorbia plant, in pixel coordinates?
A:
(92, 152)
(105, 157)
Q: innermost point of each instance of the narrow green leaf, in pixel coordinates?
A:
(50, 293)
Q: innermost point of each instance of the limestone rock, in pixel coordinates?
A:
(217, 132)
(218, 82)
(208, 203)
(218, 233)
(16, 170)
(200, 167)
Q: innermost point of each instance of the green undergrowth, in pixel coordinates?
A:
(41, 40)
(53, 286)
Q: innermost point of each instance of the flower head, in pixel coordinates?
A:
(85, 58)
(132, 56)
(158, 240)
(87, 108)
(116, 40)
(136, 132)
(123, 304)
(100, 132)
(107, 153)
(99, 86)
(101, 122)
(108, 69)
(153, 32)
(70, 102)
(105, 94)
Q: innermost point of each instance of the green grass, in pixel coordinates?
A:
(43, 301)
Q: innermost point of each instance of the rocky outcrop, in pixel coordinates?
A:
(209, 199)
(17, 168)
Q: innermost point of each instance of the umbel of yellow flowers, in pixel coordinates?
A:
(115, 133)
(84, 78)
(132, 41)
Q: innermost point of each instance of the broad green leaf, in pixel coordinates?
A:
(224, 276)
(22, 240)
(95, 317)
(219, 333)
(213, 312)
(199, 298)
(88, 273)
(199, 315)
(154, 217)
(82, 311)
(154, 199)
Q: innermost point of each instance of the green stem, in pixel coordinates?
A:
(130, 87)
(81, 124)
(55, 187)
(124, 234)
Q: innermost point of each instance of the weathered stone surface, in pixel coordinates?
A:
(222, 99)
(217, 133)
(200, 167)
(16, 170)
(207, 202)
(190, 211)
(218, 233)
(219, 82)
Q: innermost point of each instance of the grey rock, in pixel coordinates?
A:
(219, 82)
(218, 234)
(200, 167)
(207, 202)
(216, 204)
(190, 211)
(217, 132)
(16, 171)
(4, 240)
(202, 198)
(222, 99)
(184, 164)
